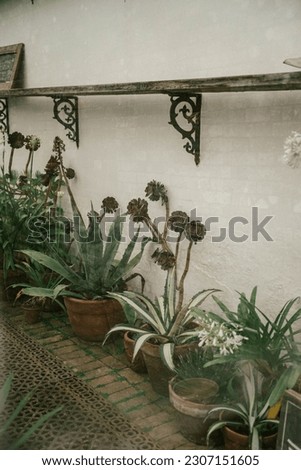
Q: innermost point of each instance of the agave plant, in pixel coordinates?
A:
(165, 325)
(255, 411)
(97, 266)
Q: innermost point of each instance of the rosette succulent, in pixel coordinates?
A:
(109, 205)
(16, 141)
(178, 221)
(167, 255)
(195, 231)
(138, 210)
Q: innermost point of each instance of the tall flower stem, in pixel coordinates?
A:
(166, 218)
(28, 162)
(160, 239)
(72, 199)
(176, 256)
(182, 280)
(10, 163)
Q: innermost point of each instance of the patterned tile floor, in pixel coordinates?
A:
(97, 379)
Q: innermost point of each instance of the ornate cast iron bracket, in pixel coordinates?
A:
(189, 123)
(65, 111)
(4, 122)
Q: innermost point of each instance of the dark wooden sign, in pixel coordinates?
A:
(289, 433)
(10, 59)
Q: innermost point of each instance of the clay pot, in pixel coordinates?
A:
(192, 399)
(138, 365)
(234, 440)
(91, 320)
(32, 314)
(159, 374)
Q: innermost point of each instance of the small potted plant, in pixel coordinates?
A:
(165, 332)
(249, 334)
(38, 277)
(195, 390)
(251, 420)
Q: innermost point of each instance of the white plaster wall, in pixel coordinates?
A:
(127, 141)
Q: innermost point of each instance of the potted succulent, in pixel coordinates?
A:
(168, 328)
(165, 334)
(95, 269)
(251, 420)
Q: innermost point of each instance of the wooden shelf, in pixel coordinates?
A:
(185, 95)
(241, 83)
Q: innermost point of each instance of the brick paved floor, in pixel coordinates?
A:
(106, 369)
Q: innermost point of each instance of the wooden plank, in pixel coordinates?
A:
(241, 83)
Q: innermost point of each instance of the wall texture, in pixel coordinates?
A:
(127, 141)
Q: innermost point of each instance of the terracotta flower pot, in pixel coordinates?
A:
(159, 374)
(32, 314)
(138, 365)
(234, 440)
(192, 400)
(92, 319)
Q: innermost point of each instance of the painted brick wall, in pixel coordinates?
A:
(127, 141)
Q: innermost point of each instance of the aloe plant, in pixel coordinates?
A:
(165, 324)
(253, 412)
(99, 268)
(21, 440)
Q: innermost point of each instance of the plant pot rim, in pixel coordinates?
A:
(81, 300)
(186, 404)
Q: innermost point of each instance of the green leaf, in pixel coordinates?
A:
(112, 245)
(148, 313)
(141, 340)
(5, 391)
(125, 265)
(241, 413)
(123, 327)
(65, 271)
(19, 442)
(16, 412)
(254, 439)
(287, 380)
(167, 353)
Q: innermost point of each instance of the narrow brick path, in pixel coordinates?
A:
(107, 371)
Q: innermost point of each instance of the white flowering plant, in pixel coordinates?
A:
(249, 334)
(223, 338)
